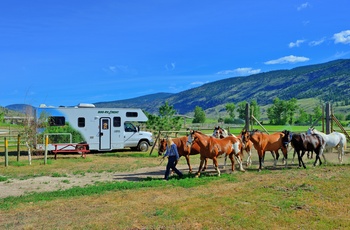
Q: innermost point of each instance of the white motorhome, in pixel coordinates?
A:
(103, 129)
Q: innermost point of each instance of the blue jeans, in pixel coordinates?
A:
(171, 165)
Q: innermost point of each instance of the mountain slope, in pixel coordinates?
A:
(328, 82)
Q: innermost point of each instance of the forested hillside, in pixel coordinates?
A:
(328, 82)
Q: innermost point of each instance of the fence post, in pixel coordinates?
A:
(46, 145)
(328, 118)
(6, 152)
(18, 146)
(247, 117)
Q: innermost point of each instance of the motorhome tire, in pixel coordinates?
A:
(143, 146)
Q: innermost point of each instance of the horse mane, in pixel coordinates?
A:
(197, 131)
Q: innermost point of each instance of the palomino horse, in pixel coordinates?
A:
(211, 147)
(184, 148)
(305, 142)
(266, 142)
(333, 140)
(247, 146)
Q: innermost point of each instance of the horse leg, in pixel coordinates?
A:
(240, 162)
(215, 162)
(188, 163)
(285, 156)
(232, 161)
(294, 156)
(225, 162)
(261, 159)
(200, 166)
(205, 165)
(274, 158)
(318, 152)
(301, 159)
(317, 158)
(340, 154)
(324, 157)
(249, 159)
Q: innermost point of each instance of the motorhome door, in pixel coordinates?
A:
(105, 133)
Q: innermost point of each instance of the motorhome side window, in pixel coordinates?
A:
(81, 122)
(131, 114)
(116, 122)
(57, 121)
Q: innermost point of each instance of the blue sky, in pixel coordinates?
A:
(61, 52)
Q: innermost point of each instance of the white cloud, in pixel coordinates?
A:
(170, 67)
(240, 71)
(305, 23)
(303, 6)
(120, 69)
(296, 44)
(340, 55)
(316, 43)
(287, 59)
(342, 37)
(198, 83)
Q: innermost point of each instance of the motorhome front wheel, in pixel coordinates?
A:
(143, 146)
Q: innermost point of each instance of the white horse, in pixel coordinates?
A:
(333, 140)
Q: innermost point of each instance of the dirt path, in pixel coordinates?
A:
(16, 187)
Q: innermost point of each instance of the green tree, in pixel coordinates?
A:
(166, 119)
(347, 118)
(241, 109)
(199, 115)
(282, 111)
(230, 108)
(317, 113)
(276, 113)
(255, 109)
(291, 108)
(2, 116)
(303, 117)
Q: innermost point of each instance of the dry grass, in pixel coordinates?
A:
(315, 198)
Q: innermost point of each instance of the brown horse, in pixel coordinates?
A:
(247, 146)
(211, 147)
(184, 148)
(266, 142)
(302, 142)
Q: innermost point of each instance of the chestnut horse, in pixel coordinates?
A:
(266, 142)
(183, 147)
(247, 146)
(211, 147)
(305, 142)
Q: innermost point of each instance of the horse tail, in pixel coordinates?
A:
(345, 143)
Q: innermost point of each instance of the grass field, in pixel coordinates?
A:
(276, 198)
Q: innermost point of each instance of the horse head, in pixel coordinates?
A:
(310, 130)
(190, 138)
(245, 135)
(287, 138)
(162, 147)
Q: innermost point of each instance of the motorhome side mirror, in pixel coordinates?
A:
(138, 128)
